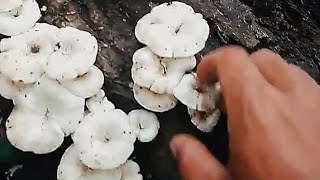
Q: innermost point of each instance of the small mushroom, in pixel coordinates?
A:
(204, 121)
(187, 93)
(105, 139)
(71, 168)
(145, 124)
(99, 103)
(31, 131)
(53, 102)
(131, 171)
(86, 85)
(75, 53)
(153, 101)
(20, 19)
(23, 55)
(173, 30)
(7, 5)
(160, 75)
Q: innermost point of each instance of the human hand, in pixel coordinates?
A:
(273, 119)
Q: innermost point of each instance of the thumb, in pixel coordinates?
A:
(195, 161)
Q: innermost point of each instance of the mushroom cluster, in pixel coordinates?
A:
(162, 71)
(47, 72)
(104, 141)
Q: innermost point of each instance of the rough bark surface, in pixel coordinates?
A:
(289, 27)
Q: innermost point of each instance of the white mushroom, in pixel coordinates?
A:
(7, 5)
(99, 103)
(33, 132)
(173, 30)
(71, 168)
(47, 98)
(160, 75)
(153, 101)
(23, 55)
(204, 121)
(145, 124)
(74, 55)
(85, 85)
(21, 19)
(105, 139)
(131, 171)
(187, 93)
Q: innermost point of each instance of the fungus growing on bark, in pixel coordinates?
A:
(105, 139)
(160, 75)
(153, 101)
(75, 53)
(22, 57)
(169, 30)
(71, 168)
(145, 124)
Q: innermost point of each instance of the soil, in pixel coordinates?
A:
(289, 27)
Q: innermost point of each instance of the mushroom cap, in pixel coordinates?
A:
(21, 19)
(71, 168)
(160, 75)
(186, 93)
(7, 5)
(145, 124)
(23, 55)
(48, 98)
(204, 121)
(105, 139)
(31, 131)
(169, 30)
(86, 85)
(74, 55)
(7, 89)
(153, 101)
(131, 171)
(99, 103)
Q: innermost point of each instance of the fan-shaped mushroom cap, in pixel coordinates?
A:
(23, 55)
(71, 168)
(153, 101)
(145, 124)
(33, 132)
(75, 54)
(86, 85)
(105, 139)
(173, 30)
(20, 19)
(160, 75)
(49, 99)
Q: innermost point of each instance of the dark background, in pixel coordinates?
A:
(289, 27)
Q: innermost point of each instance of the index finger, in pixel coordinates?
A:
(240, 79)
